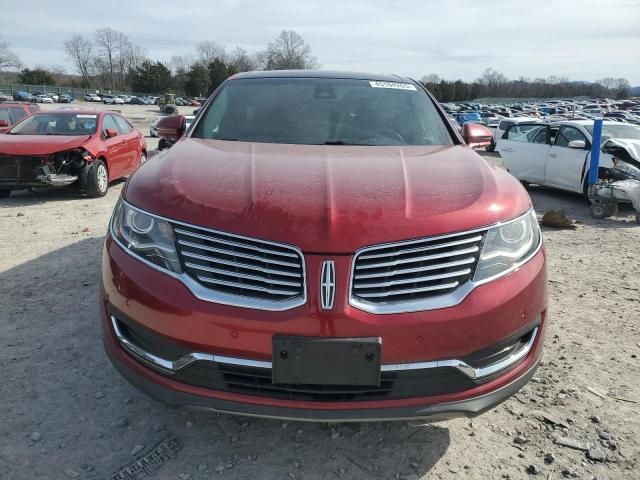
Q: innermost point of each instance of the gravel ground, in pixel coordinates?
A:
(66, 413)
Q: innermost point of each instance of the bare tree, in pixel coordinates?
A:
(8, 59)
(80, 51)
(108, 41)
(289, 52)
(431, 78)
(208, 51)
(241, 60)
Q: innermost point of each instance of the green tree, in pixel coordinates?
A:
(218, 73)
(37, 76)
(197, 82)
(151, 77)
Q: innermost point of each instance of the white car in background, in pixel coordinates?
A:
(42, 98)
(92, 97)
(558, 154)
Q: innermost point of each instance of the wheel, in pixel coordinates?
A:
(162, 144)
(598, 210)
(143, 157)
(612, 210)
(492, 146)
(5, 192)
(525, 184)
(98, 179)
(637, 217)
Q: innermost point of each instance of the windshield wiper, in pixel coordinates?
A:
(342, 142)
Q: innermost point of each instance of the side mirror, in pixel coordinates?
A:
(476, 136)
(172, 127)
(4, 123)
(579, 144)
(110, 133)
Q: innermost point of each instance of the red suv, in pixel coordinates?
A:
(324, 246)
(12, 113)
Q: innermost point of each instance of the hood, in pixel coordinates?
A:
(626, 149)
(39, 144)
(326, 198)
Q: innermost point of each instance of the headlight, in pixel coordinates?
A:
(146, 236)
(507, 245)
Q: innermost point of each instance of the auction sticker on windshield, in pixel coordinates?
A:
(396, 85)
(86, 116)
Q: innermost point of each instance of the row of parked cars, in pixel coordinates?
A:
(37, 97)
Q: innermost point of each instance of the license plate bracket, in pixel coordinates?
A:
(326, 361)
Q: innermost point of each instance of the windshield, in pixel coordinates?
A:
(323, 111)
(57, 124)
(617, 131)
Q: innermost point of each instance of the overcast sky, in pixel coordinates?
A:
(579, 39)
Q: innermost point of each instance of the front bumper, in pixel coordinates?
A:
(157, 388)
(486, 317)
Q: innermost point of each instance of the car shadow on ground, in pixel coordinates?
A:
(577, 208)
(20, 198)
(58, 383)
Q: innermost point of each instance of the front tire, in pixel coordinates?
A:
(98, 180)
(143, 157)
(599, 211)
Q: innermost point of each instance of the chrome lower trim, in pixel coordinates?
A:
(172, 366)
(437, 302)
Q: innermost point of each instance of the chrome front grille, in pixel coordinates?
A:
(415, 275)
(245, 271)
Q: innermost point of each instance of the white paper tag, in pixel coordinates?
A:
(396, 85)
(86, 116)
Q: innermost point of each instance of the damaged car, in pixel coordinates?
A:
(557, 155)
(88, 149)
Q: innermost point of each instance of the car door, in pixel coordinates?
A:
(117, 154)
(565, 165)
(524, 149)
(132, 144)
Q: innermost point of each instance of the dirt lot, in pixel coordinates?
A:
(66, 413)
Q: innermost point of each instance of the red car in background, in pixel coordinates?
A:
(324, 246)
(12, 113)
(60, 148)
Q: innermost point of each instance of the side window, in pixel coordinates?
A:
(525, 132)
(17, 114)
(123, 125)
(108, 122)
(568, 134)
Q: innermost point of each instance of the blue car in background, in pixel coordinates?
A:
(465, 117)
(24, 97)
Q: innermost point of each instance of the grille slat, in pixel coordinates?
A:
(445, 286)
(235, 243)
(457, 263)
(242, 265)
(234, 253)
(246, 276)
(241, 285)
(406, 273)
(257, 273)
(475, 239)
(401, 281)
(423, 258)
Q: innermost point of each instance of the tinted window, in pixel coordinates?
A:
(527, 133)
(12, 114)
(317, 111)
(504, 124)
(108, 122)
(123, 125)
(568, 134)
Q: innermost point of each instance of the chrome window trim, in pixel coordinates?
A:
(442, 301)
(209, 295)
(170, 367)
